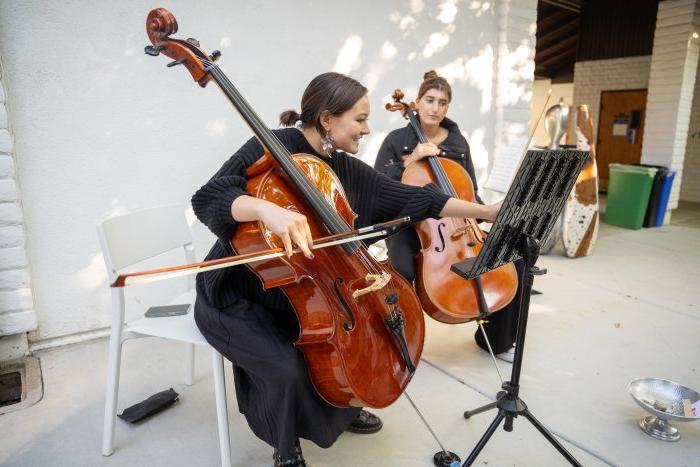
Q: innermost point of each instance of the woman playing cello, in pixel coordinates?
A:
(256, 328)
(401, 148)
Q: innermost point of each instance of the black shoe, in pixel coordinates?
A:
(365, 423)
(297, 461)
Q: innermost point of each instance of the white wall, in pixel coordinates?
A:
(540, 87)
(671, 87)
(690, 189)
(100, 128)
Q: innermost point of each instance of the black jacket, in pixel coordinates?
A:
(402, 141)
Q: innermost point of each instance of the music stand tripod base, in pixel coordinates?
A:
(528, 213)
(502, 402)
(508, 402)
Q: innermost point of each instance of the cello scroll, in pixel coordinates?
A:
(160, 24)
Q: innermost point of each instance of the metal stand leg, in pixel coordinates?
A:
(470, 413)
(485, 438)
(562, 450)
(509, 403)
(189, 364)
(221, 407)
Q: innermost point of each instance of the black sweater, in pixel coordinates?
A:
(373, 196)
(402, 142)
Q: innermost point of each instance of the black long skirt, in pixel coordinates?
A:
(502, 325)
(273, 386)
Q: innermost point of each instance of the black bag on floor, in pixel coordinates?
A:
(151, 406)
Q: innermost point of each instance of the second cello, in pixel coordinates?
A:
(445, 296)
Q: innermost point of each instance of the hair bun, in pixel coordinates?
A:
(432, 74)
(289, 118)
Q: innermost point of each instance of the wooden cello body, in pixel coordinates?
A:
(353, 357)
(446, 296)
(362, 327)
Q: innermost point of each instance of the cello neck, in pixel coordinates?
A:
(283, 157)
(441, 177)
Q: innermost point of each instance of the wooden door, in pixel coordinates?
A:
(620, 129)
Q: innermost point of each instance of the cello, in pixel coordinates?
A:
(445, 296)
(361, 324)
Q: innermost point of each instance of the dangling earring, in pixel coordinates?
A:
(327, 140)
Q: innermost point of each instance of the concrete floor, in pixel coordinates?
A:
(629, 310)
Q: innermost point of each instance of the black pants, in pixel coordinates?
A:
(501, 326)
(273, 387)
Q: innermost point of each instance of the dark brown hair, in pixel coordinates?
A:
(431, 80)
(328, 92)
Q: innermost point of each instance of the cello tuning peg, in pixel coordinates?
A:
(192, 41)
(153, 51)
(176, 62)
(215, 55)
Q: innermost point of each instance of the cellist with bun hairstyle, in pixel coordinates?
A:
(401, 148)
(256, 328)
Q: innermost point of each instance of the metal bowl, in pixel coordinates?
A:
(663, 399)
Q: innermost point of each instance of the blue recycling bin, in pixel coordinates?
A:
(664, 195)
(660, 193)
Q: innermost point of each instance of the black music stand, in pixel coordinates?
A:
(530, 209)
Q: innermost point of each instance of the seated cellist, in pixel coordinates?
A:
(255, 328)
(401, 148)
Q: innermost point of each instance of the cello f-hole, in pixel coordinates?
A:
(350, 325)
(441, 248)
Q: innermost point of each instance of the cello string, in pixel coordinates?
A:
(368, 263)
(445, 184)
(345, 225)
(443, 180)
(334, 221)
(225, 83)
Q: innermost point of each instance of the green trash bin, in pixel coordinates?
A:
(629, 189)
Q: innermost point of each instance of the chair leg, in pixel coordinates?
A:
(112, 393)
(221, 408)
(189, 363)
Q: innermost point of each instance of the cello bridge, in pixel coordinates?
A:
(471, 230)
(378, 281)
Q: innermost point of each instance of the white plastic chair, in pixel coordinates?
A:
(129, 239)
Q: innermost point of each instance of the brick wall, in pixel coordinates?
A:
(672, 124)
(671, 86)
(690, 189)
(16, 303)
(616, 74)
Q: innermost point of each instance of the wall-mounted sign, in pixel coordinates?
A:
(620, 124)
